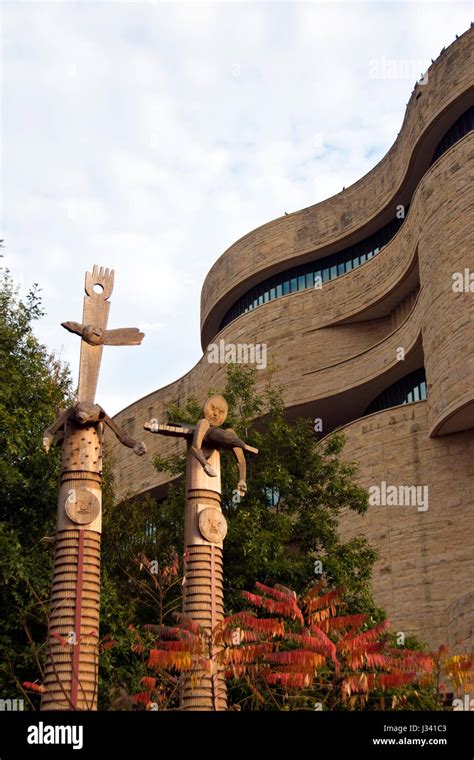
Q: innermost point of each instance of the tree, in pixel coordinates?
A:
(285, 530)
(34, 386)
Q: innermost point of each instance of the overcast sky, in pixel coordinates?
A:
(148, 137)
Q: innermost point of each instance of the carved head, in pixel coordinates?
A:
(215, 410)
(85, 412)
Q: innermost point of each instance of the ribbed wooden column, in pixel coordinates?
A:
(203, 596)
(71, 666)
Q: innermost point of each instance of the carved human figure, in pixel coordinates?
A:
(208, 431)
(86, 413)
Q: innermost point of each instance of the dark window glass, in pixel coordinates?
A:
(303, 276)
(405, 391)
(460, 128)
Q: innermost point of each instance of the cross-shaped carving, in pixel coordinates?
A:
(71, 668)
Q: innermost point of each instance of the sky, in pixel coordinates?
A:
(149, 137)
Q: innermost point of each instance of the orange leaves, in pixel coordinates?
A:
(107, 643)
(314, 643)
(391, 680)
(300, 658)
(406, 659)
(356, 643)
(314, 602)
(280, 593)
(62, 641)
(326, 641)
(346, 622)
(144, 697)
(459, 669)
(288, 680)
(377, 661)
(248, 653)
(319, 649)
(148, 682)
(362, 683)
(287, 607)
(160, 659)
(34, 686)
(261, 625)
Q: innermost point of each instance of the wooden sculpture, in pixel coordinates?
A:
(70, 677)
(205, 529)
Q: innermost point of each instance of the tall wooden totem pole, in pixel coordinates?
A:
(205, 529)
(70, 677)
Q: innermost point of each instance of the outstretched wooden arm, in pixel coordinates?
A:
(138, 447)
(49, 433)
(85, 413)
(242, 463)
(196, 447)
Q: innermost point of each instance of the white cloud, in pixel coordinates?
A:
(150, 136)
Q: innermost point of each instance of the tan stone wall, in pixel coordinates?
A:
(337, 349)
(320, 359)
(426, 563)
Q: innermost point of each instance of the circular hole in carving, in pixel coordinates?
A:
(98, 288)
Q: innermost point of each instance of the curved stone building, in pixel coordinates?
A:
(367, 300)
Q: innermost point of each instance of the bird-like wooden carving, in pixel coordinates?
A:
(95, 336)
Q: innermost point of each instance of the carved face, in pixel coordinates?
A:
(215, 410)
(212, 525)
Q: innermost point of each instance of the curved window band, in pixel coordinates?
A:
(315, 272)
(460, 128)
(407, 390)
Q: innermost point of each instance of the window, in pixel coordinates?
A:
(407, 390)
(303, 276)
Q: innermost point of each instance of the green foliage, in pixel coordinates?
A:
(34, 386)
(280, 542)
(38, 385)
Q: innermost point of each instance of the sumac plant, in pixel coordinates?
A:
(287, 653)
